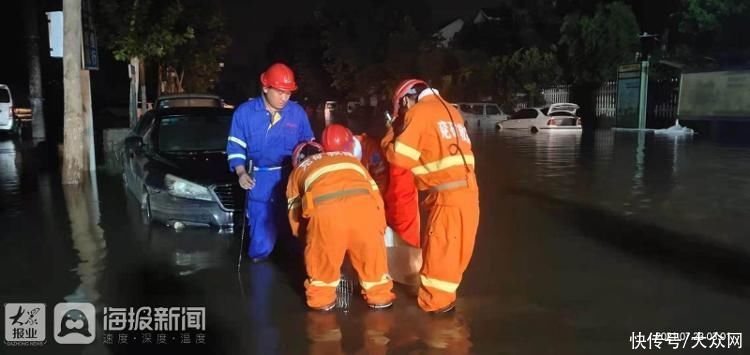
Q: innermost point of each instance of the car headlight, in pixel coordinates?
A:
(186, 189)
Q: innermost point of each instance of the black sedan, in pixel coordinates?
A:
(176, 166)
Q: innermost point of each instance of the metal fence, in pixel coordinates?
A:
(662, 100)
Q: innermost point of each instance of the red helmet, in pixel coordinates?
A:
(337, 138)
(278, 76)
(401, 90)
(304, 150)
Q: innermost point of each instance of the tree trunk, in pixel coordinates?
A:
(161, 83)
(135, 68)
(584, 94)
(36, 98)
(144, 106)
(180, 89)
(73, 150)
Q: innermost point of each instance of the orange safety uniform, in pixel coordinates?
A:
(438, 153)
(335, 203)
(373, 160)
(401, 200)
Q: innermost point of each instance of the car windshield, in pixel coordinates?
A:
(193, 133)
(4, 97)
(189, 102)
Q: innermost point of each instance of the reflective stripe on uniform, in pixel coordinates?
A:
(238, 141)
(442, 164)
(333, 167)
(374, 185)
(267, 168)
(293, 203)
(439, 284)
(318, 283)
(339, 193)
(368, 285)
(236, 156)
(406, 151)
(450, 185)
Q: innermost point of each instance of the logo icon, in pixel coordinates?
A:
(75, 323)
(25, 322)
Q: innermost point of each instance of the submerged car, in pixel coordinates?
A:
(481, 114)
(175, 164)
(8, 121)
(556, 116)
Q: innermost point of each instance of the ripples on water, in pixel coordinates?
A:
(683, 183)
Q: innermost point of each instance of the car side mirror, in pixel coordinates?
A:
(134, 142)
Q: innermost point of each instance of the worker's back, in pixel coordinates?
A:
(331, 172)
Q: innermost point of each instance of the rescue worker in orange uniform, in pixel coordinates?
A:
(401, 198)
(435, 146)
(373, 160)
(334, 202)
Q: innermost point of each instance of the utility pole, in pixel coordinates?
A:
(36, 97)
(74, 160)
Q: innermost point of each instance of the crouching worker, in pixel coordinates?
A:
(335, 205)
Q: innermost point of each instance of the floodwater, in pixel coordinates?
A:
(582, 241)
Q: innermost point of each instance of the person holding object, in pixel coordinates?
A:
(334, 204)
(264, 132)
(436, 148)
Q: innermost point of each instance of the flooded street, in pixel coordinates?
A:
(582, 241)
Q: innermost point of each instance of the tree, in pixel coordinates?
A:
(369, 47)
(709, 15)
(526, 70)
(140, 31)
(31, 27)
(197, 59)
(708, 34)
(593, 47)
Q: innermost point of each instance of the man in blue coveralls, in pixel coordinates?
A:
(265, 131)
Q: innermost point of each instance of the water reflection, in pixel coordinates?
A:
(10, 166)
(82, 202)
(401, 330)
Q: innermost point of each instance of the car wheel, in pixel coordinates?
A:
(146, 216)
(534, 129)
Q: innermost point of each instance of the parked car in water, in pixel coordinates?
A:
(481, 114)
(175, 164)
(8, 121)
(555, 116)
(188, 100)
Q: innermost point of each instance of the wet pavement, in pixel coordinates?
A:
(581, 242)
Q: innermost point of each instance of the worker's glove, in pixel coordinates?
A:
(246, 181)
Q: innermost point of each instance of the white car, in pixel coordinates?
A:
(481, 114)
(556, 116)
(8, 122)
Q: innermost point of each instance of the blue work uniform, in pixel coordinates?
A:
(269, 146)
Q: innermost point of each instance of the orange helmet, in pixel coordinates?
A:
(278, 76)
(402, 90)
(304, 150)
(337, 138)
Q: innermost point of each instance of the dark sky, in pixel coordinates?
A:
(252, 22)
(249, 23)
